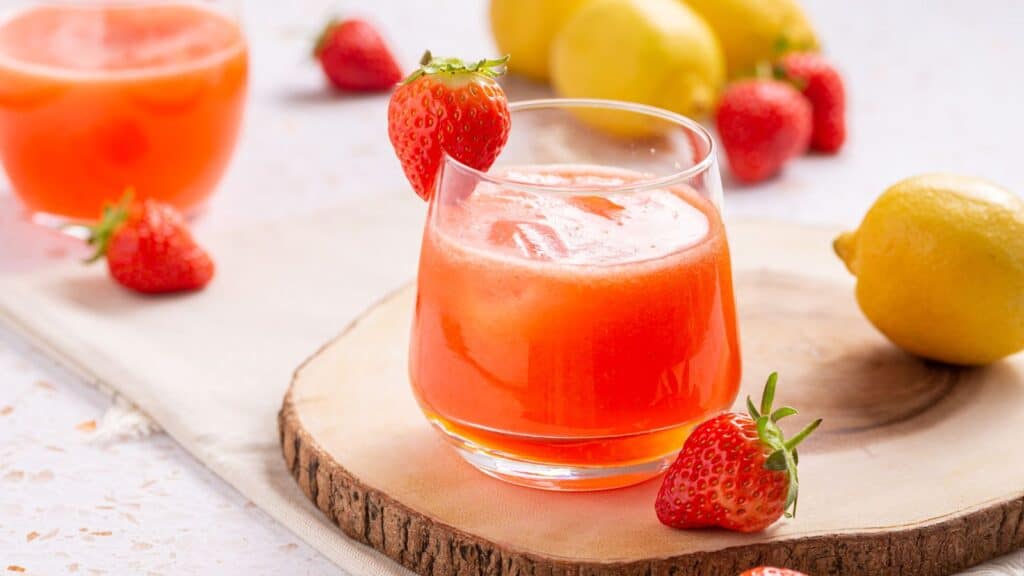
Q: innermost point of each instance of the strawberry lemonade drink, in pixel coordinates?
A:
(575, 320)
(99, 96)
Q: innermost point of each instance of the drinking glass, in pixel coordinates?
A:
(575, 316)
(98, 96)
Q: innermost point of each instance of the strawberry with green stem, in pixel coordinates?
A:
(148, 248)
(448, 106)
(735, 471)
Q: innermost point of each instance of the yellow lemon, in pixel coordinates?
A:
(524, 29)
(655, 52)
(754, 31)
(939, 261)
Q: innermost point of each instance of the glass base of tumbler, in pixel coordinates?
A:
(74, 226)
(558, 476)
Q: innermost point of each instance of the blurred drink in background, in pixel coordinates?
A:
(96, 97)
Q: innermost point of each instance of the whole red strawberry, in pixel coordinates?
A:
(770, 571)
(762, 123)
(448, 107)
(149, 249)
(354, 57)
(823, 87)
(736, 471)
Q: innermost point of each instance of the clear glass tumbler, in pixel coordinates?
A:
(97, 96)
(575, 314)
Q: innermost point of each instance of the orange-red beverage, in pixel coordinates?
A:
(588, 331)
(97, 97)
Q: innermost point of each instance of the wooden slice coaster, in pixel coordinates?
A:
(918, 469)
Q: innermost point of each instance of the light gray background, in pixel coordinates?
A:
(933, 86)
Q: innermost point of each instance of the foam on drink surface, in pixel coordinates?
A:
(116, 37)
(576, 228)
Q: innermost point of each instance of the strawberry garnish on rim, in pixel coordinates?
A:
(448, 106)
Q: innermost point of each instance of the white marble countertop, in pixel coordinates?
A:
(933, 87)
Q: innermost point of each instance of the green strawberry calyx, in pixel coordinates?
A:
(765, 70)
(783, 457)
(114, 215)
(324, 36)
(430, 64)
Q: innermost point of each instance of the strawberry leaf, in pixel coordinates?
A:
(113, 216)
(754, 414)
(777, 461)
(783, 456)
(782, 45)
(792, 443)
(792, 494)
(769, 393)
(430, 64)
(782, 413)
(324, 36)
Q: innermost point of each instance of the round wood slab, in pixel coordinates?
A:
(917, 469)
